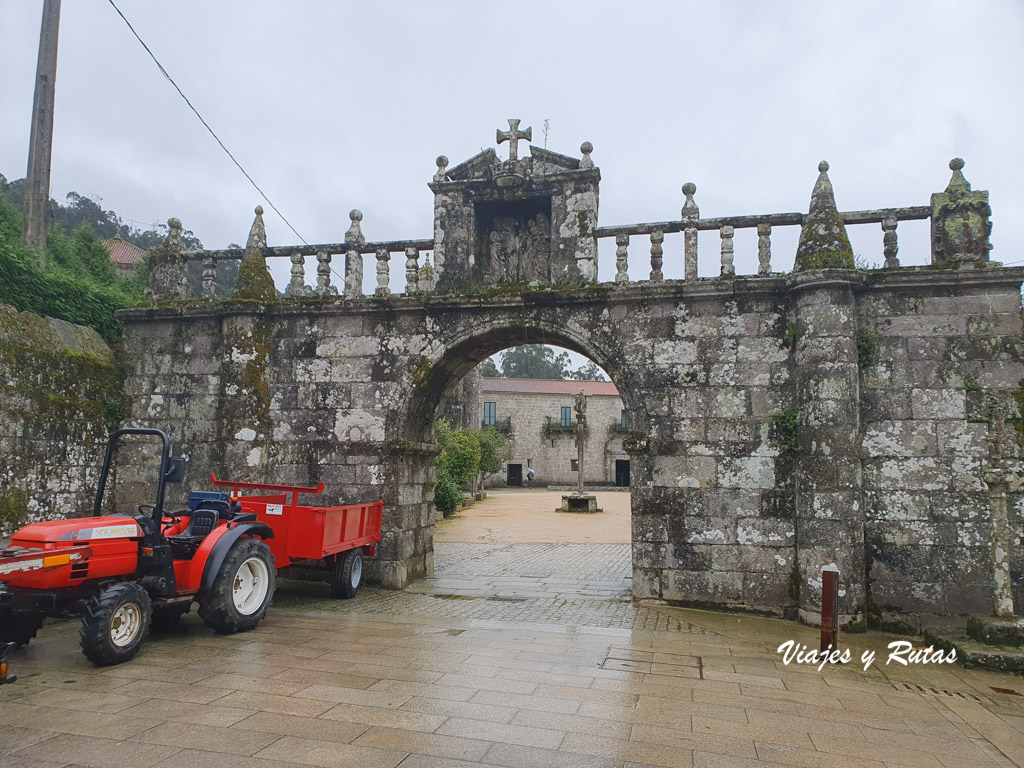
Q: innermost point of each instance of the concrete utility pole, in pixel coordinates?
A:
(37, 178)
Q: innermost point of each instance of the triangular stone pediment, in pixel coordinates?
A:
(547, 157)
(474, 168)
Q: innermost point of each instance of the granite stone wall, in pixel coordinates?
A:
(60, 392)
(938, 363)
(779, 424)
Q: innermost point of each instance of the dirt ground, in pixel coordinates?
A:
(524, 515)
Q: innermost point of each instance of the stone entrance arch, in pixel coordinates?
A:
(832, 417)
(478, 342)
(490, 333)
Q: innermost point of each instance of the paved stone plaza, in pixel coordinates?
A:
(511, 657)
(345, 684)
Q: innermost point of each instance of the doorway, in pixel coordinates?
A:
(622, 473)
(515, 475)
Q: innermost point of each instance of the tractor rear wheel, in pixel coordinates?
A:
(115, 622)
(242, 591)
(19, 628)
(347, 574)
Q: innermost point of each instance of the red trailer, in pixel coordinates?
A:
(332, 538)
(119, 573)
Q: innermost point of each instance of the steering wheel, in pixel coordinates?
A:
(147, 509)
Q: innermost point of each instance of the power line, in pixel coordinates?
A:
(207, 125)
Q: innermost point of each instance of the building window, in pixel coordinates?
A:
(624, 419)
(566, 415)
(490, 411)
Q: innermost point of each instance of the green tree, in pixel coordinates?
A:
(495, 450)
(460, 458)
(488, 369)
(79, 284)
(534, 361)
(589, 371)
(81, 210)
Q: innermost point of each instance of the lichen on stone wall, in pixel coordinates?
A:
(60, 395)
(824, 243)
(245, 404)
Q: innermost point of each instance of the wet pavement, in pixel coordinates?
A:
(517, 654)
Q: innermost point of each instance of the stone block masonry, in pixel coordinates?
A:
(779, 424)
(60, 393)
(762, 446)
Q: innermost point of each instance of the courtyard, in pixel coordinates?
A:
(524, 650)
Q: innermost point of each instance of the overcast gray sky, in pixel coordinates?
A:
(333, 105)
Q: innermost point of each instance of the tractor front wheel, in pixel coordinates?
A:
(242, 591)
(115, 622)
(347, 574)
(19, 628)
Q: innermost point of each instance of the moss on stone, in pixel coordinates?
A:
(795, 582)
(867, 349)
(254, 281)
(13, 509)
(828, 259)
(794, 330)
(782, 431)
(824, 243)
(58, 374)
(422, 371)
(251, 406)
(583, 225)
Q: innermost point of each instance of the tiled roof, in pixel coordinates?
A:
(122, 252)
(550, 386)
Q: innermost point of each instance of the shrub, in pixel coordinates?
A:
(447, 494)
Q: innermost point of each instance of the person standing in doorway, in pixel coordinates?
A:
(529, 477)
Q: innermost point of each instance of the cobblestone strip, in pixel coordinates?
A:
(585, 563)
(605, 613)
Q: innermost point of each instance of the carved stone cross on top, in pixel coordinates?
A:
(512, 136)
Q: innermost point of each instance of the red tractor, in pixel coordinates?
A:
(119, 573)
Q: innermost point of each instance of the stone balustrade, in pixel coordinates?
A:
(952, 212)
(888, 218)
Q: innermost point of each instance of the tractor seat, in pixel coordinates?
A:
(200, 525)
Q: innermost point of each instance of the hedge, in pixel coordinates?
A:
(57, 294)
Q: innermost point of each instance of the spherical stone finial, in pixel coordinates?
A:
(258, 210)
(355, 214)
(586, 147)
(174, 223)
(442, 161)
(689, 188)
(956, 164)
(823, 166)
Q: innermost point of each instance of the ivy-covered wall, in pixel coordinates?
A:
(60, 394)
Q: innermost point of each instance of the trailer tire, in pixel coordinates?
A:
(19, 628)
(347, 574)
(115, 622)
(242, 590)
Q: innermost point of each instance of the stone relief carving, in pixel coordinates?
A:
(518, 251)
